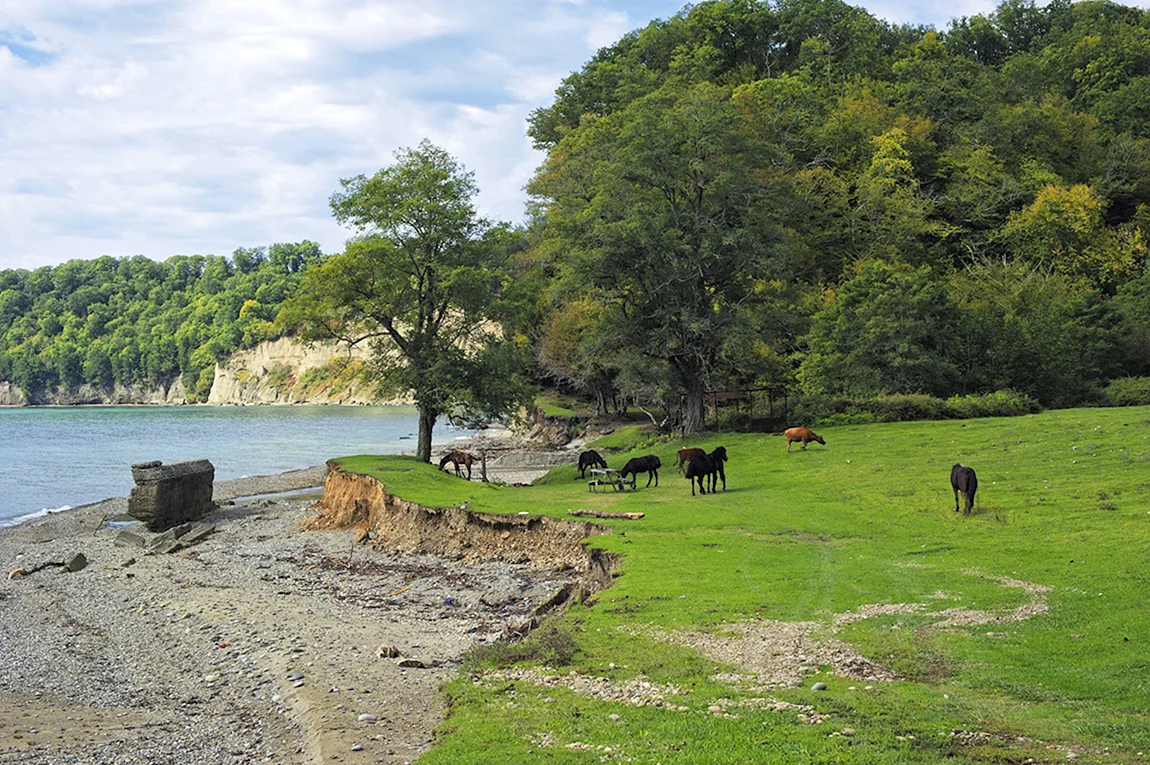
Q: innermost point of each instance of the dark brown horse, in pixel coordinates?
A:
(590, 458)
(700, 467)
(965, 482)
(458, 457)
(649, 464)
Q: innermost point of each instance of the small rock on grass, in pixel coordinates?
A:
(819, 687)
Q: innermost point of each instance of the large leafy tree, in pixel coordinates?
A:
(418, 283)
(659, 205)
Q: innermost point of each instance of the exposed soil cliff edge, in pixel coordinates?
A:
(363, 504)
(287, 371)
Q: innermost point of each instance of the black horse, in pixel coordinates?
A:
(590, 458)
(711, 465)
(649, 464)
(964, 481)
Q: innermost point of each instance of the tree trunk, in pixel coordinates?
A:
(694, 419)
(427, 418)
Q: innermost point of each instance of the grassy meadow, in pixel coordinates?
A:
(1058, 549)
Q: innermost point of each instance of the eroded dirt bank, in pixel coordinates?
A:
(389, 523)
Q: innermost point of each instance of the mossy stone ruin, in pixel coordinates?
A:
(168, 495)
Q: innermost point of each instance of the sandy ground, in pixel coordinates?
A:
(259, 643)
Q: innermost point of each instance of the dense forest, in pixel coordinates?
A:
(797, 192)
(755, 194)
(133, 321)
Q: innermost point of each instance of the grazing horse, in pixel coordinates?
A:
(590, 458)
(805, 435)
(458, 457)
(706, 465)
(963, 479)
(649, 464)
(685, 456)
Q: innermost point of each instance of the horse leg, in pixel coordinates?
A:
(955, 499)
(469, 470)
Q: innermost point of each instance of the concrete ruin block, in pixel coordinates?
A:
(168, 495)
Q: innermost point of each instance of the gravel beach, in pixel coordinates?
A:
(258, 643)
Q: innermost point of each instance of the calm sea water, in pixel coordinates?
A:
(53, 457)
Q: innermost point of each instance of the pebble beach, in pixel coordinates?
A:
(259, 643)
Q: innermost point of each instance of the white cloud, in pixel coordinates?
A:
(180, 126)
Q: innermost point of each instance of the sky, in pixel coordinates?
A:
(182, 127)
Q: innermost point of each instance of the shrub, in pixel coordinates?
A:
(1000, 403)
(1128, 391)
(828, 411)
(909, 406)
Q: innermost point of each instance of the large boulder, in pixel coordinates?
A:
(168, 495)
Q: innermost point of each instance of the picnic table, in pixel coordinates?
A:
(609, 477)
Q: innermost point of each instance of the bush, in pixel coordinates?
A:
(828, 410)
(1128, 391)
(1000, 403)
(905, 407)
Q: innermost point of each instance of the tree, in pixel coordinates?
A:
(884, 332)
(417, 283)
(660, 209)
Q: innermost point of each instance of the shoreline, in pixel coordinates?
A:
(261, 642)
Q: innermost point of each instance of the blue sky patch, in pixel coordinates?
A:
(23, 45)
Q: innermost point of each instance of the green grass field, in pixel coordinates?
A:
(1056, 669)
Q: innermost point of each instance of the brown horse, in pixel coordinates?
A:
(458, 457)
(805, 435)
(685, 456)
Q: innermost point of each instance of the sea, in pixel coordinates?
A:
(55, 458)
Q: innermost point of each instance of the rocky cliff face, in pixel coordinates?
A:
(286, 371)
(282, 371)
(11, 395)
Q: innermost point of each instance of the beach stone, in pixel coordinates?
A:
(169, 495)
(76, 562)
(197, 534)
(411, 663)
(367, 717)
(127, 538)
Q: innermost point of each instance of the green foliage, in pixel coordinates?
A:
(882, 333)
(419, 284)
(1128, 391)
(132, 321)
(548, 645)
(832, 410)
(1008, 153)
